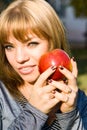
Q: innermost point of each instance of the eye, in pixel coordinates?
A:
(8, 47)
(33, 44)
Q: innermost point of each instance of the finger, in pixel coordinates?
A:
(61, 96)
(70, 77)
(60, 86)
(53, 101)
(49, 89)
(45, 75)
(66, 72)
(74, 67)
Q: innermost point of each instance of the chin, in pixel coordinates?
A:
(31, 79)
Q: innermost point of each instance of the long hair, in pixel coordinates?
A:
(21, 18)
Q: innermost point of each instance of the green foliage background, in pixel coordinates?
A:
(80, 55)
(80, 7)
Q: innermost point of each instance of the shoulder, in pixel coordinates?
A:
(7, 102)
(81, 96)
(4, 94)
(82, 101)
(2, 87)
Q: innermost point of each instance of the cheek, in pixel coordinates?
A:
(38, 56)
(42, 51)
(10, 59)
(11, 62)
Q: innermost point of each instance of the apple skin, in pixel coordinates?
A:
(57, 57)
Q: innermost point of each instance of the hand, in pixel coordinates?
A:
(42, 94)
(67, 93)
(45, 97)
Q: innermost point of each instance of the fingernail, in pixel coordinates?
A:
(70, 91)
(53, 91)
(53, 67)
(66, 99)
(73, 59)
(50, 81)
(61, 67)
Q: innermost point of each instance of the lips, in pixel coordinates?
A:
(26, 69)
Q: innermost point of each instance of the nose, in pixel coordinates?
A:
(22, 56)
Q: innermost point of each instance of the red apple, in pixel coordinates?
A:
(58, 58)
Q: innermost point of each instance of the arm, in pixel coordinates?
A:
(29, 119)
(0, 115)
(70, 120)
(82, 107)
(14, 117)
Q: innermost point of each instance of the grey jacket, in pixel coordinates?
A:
(13, 116)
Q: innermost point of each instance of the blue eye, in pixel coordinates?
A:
(32, 44)
(8, 47)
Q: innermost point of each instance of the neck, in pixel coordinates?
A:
(26, 90)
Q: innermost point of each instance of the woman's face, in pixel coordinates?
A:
(24, 57)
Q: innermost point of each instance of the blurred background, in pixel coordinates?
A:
(73, 14)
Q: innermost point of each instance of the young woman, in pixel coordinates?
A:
(28, 100)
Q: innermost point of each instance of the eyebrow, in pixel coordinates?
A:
(28, 38)
(25, 40)
(7, 42)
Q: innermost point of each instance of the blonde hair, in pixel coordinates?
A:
(21, 18)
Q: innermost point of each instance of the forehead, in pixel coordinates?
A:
(30, 37)
(21, 22)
